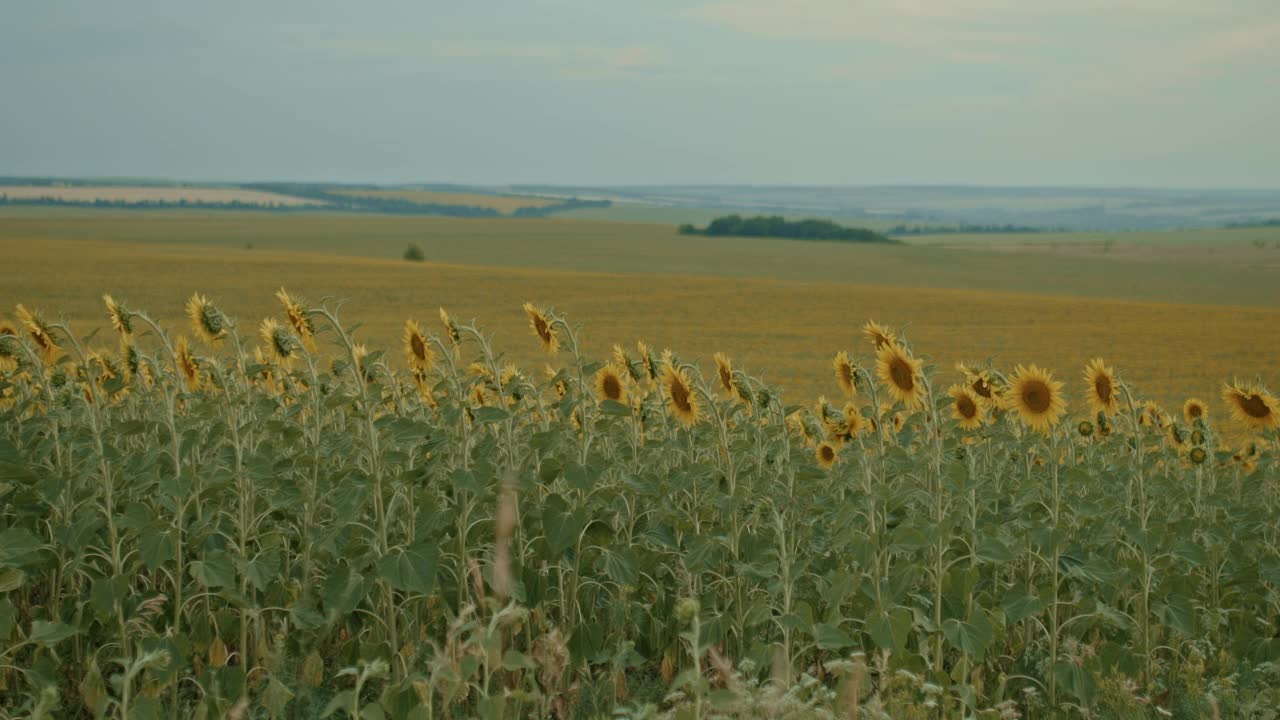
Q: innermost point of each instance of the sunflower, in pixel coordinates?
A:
(450, 327)
(360, 352)
(611, 384)
(188, 365)
(422, 383)
(743, 391)
(121, 318)
(109, 368)
(513, 383)
(265, 377)
(1252, 406)
(647, 361)
(846, 373)
(879, 335)
(299, 319)
(208, 321)
(624, 362)
(1036, 398)
(558, 382)
(1102, 387)
(681, 400)
(280, 344)
(848, 424)
(979, 382)
(39, 332)
(901, 374)
(965, 407)
(826, 452)
(1152, 415)
(7, 361)
(130, 360)
(795, 422)
(1195, 410)
(1177, 438)
(541, 324)
(724, 372)
(421, 356)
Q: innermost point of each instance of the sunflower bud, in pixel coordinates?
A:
(1085, 428)
(1198, 455)
(687, 609)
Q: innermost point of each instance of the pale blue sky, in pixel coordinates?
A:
(1081, 92)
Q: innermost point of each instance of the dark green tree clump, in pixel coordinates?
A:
(778, 226)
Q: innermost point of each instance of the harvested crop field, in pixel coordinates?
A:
(502, 203)
(149, 194)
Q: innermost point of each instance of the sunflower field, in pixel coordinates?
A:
(275, 522)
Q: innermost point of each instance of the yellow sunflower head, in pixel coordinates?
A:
(557, 381)
(188, 365)
(7, 350)
(901, 374)
(854, 423)
(450, 327)
(542, 325)
(979, 383)
(1177, 438)
(423, 385)
(680, 398)
(299, 319)
(1101, 380)
(1152, 415)
(416, 348)
(360, 352)
(878, 335)
(846, 373)
(1035, 398)
(611, 383)
(1194, 410)
(724, 373)
(621, 359)
(966, 408)
(826, 454)
(121, 318)
(1252, 406)
(647, 362)
(279, 342)
(513, 384)
(207, 320)
(40, 333)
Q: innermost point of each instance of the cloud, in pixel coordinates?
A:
(570, 59)
(1199, 59)
(923, 24)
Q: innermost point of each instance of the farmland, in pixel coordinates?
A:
(303, 531)
(218, 502)
(149, 194)
(502, 203)
(1213, 321)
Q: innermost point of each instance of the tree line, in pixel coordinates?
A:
(780, 227)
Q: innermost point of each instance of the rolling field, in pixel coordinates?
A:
(231, 506)
(139, 194)
(784, 329)
(502, 203)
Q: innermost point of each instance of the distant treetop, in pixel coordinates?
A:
(780, 227)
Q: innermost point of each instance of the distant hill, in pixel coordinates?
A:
(779, 227)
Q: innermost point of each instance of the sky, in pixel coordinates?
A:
(1156, 93)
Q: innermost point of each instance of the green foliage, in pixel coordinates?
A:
(414, 253)
(319, 536)
(780, 227)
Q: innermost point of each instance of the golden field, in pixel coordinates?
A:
(156, 194)
(784, 331)
(506, 204)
